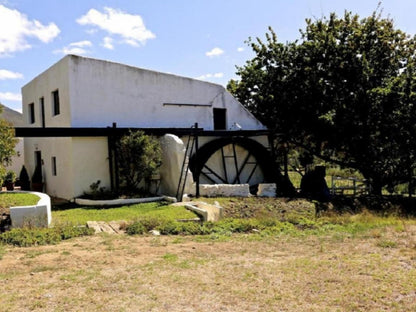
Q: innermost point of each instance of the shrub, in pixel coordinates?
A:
(24, 179)
(10, 177)
(27, 237)
(139, 157)
(136, 228)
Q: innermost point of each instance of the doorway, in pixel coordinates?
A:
(220, 118)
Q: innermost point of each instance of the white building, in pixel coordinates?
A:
(69, 107)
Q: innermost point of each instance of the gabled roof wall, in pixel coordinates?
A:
(97, 93)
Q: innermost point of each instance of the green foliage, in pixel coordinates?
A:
(2, 251)
(344, 92)
(10, 177)
(27, 237)
(137, 228)
(7, 143)
(139, 157)
(223, 227)
(24, 179)
(98, 192)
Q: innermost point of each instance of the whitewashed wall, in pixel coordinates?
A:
(104, 92)
(90, 163)
(55, 78)
(60, 185)
(18, 159)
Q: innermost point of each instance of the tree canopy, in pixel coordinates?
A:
(345, 91)
(7, 144)
(139, 157)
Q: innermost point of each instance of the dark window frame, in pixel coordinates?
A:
(56, 110)
(53, 162)
(31, 109)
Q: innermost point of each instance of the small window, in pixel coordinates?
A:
(53, 165)
(55, 103)
(42, 111)
(32, 113)
(220, 119)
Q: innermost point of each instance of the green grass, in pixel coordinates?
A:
(2, 251)
(17, 199)
(81, 215)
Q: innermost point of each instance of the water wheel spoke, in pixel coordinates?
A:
(210, 171)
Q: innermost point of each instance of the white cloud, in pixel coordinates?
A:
(8, 96)
(240, 49)
(129, 27)
(108, 43)
(16, 29)
(214, 52)
(208, 76)
(78, 48)
(7, 74)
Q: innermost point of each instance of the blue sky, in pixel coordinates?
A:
(203, 39)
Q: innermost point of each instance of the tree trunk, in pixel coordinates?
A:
(375, 186)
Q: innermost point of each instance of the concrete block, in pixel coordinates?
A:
(224, 190)
(206, 211)
(267, 190)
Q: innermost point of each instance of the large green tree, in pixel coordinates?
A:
(7, 144)
(345, 92)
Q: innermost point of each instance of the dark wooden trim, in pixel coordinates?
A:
(110, 131)
(187, 104)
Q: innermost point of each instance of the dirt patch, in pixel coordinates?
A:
(374, 272)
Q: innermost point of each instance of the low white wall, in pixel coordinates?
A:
(224, 190)
(119, 202)
(38, 215)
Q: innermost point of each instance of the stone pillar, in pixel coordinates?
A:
(173, 151)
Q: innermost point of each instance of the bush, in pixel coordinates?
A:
(139, 157)
(136, 228)
(24, 179)
(27, 237)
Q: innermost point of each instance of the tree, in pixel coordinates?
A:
(344, 92)
(7, 144)
(139, 157)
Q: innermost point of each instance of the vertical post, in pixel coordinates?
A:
(110, 144)
(196, 158)
(355, 185)
(116, 169)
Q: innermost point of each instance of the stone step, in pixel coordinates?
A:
(112, 227)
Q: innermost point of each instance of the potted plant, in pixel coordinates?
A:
(9, 180)
(24, 179)
(37, 183)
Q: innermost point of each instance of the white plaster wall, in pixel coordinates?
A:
(56, 77)
(90, 163)
(18, 160)
(61, 148)
(104, 92)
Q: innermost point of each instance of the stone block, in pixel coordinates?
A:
(224, 190)
(267, 190)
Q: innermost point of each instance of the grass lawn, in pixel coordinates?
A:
(80, 216)
(17, 199)
(8, 200)
(337, 261)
